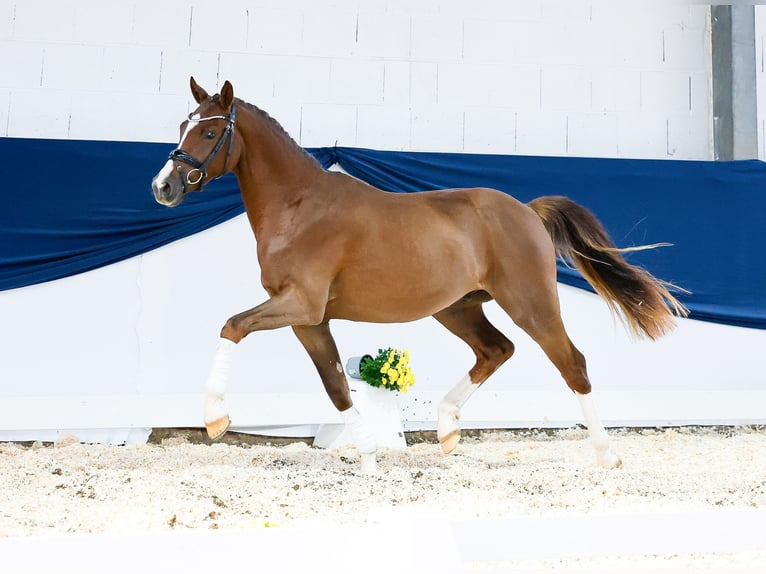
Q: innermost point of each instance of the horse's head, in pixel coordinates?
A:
(205, 149)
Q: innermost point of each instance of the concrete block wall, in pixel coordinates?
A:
(760, 77)
(623, 80)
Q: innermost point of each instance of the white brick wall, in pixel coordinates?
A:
(490, 76)
(760, 64)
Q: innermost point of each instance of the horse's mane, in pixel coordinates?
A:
(275, 124)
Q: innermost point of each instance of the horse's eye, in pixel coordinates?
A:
(210, 135)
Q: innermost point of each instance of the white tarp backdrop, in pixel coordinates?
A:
(112, 353)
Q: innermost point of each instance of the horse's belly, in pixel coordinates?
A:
(387, 301)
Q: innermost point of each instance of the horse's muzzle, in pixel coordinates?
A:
(168, 188)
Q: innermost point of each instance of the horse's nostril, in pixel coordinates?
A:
(160, 186)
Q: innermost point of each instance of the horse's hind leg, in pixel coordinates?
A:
(320, 345)
(466, 320)
(543, 323)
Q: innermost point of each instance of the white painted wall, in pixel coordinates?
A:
(614, 80)
(127, 348)
(760, 78)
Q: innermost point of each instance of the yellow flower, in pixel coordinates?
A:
(391, 370)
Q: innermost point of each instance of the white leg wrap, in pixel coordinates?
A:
(357, 426)
(215, 388)
(598, 436)
(449, 408)
(362, 438)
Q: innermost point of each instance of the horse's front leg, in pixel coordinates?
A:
(320, 345)
(280, 311)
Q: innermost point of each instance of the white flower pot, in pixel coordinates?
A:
(380, 410)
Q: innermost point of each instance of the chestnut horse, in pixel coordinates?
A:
(320, 234)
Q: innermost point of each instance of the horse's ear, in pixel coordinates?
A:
(227, 95)
(200, 95)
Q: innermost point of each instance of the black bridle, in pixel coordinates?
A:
(199, 168)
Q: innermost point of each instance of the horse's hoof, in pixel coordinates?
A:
(610, 460)
(449, 442)
(217, 428)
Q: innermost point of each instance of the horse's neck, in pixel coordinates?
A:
(274, 173)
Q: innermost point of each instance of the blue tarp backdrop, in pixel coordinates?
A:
(72, 206)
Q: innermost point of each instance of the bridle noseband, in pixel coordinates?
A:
(199, 168)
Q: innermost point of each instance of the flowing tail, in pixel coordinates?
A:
(646, 302)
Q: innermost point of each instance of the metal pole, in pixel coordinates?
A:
(735, 129)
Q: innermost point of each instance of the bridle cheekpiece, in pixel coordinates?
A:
(198, 173)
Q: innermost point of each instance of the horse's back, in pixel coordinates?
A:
(484, 223)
